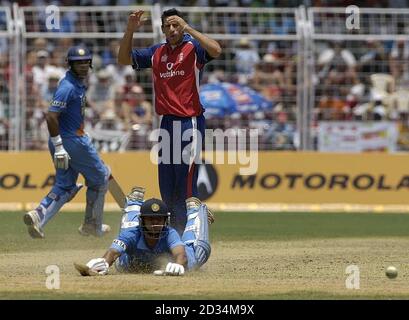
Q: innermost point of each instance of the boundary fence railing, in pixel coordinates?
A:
(306, 60)
(9, 97)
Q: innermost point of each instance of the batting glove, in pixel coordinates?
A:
(98, 265)
(61, 156)
(174, 269)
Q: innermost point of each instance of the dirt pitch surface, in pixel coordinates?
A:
(245, 263)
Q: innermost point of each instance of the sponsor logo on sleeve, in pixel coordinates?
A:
(119, 243)
(56, 103)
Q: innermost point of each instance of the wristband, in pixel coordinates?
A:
(56, 140)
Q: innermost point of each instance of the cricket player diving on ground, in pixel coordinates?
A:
(177, 67)
(72, 153)
(146, 243)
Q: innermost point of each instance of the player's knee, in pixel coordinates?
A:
(95, 192)
(99, 183)
(99, 179)
(97, 188)
(66, 193)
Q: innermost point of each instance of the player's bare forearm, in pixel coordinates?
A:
(125, 48)
(211, 46)
(111, 255)
(179, 255)
(52, 123)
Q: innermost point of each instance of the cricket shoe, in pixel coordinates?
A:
(195, 203)
(32, 221)
(90, 229)
(210, 216)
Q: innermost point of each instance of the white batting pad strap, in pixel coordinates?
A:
(192, 216)
(191, 228)
(42, 209)
(129, 224)
(134, 207)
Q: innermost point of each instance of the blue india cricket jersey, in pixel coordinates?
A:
(69, 100)
(131, 244)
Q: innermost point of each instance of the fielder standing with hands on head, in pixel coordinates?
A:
(73, 153)
(177, 66)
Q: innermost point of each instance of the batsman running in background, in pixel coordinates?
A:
(177, 66)
(73, 153)
(146, 241)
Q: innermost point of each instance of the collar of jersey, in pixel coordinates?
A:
(70, 75)
(186, 38)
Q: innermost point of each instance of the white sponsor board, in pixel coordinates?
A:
(351, 136)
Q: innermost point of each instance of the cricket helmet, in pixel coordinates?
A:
(154, 208)
(78, 53)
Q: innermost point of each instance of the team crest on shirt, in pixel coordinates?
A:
(164, 58)
(181, 57)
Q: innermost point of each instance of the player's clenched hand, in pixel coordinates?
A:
(135, 20)
(98, 265)
(61, 157)
(176, 20)
(174, 269)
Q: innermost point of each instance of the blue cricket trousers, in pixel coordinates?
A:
(178, 176)
(84, 160)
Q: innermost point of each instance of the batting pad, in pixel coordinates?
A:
(52, 203)
(196, 233)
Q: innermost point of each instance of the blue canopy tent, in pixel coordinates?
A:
(225, 98)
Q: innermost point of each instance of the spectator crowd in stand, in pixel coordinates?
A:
(356, 80)
(220, 3)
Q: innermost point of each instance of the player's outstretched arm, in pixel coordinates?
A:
(111, 255)
(176, 268)
(179, 255)
(98, 266)
(125, 47)
(211, 46)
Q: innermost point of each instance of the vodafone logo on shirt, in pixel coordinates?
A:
(170, 73)
(175, 75)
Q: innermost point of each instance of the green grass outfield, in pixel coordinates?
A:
(229, 226)
(231, 229)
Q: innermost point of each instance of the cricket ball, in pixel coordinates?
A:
(391, 272)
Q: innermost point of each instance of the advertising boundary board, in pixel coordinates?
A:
(283, 181)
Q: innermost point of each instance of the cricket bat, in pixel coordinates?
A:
(116, 192)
